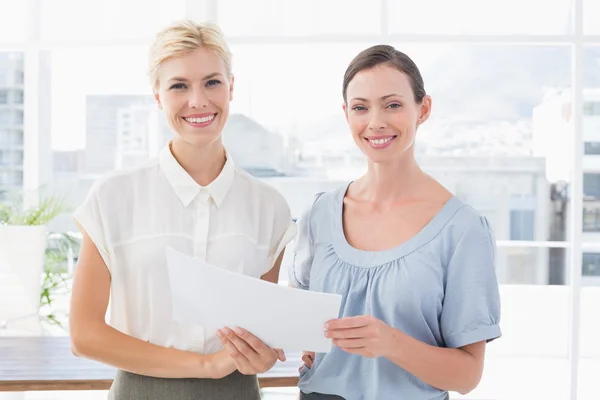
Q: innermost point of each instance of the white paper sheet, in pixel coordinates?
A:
(282, 317)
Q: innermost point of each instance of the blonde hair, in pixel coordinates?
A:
(183, 37)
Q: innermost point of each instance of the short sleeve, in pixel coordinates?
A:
(471, 307)
(299, 269)
(89, 217)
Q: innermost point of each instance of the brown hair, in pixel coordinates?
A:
(385, 54)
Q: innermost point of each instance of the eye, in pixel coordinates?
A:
(213, 82)
(177, 86)
(395, 105)
(359, 108)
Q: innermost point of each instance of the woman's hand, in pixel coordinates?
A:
(364, 335)
(250, 355)
(308, 357)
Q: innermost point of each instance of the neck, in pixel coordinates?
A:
(397, 180)
(203, 164)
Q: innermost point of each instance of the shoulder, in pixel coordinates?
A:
(322, 203)
(468, 225)
(114, 185)
(258, 191)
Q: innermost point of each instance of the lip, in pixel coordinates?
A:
(200, 124)
(203, 115)
(379, 137)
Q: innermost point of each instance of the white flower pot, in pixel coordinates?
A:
(22, 255)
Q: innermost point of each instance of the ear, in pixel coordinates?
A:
(425, 110)
(231, 87)
(157, 98)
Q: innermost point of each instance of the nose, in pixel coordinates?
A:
(197, 98)
(377, 121)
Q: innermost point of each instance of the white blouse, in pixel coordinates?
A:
(237, 222)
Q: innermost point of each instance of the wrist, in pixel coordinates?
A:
(219, 365)
(397, 345)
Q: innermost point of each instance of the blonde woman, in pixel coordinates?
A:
(193, 198)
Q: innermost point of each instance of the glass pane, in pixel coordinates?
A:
(531, 265)
(13, 21)
(589, 334)
(108, 19)
(486, 142)
(480, 17)
(11, 121)
(298, 18)
(89, 90)
(535, 338)
(591, 10)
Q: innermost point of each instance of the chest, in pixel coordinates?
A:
(222, 236)
(370, 229)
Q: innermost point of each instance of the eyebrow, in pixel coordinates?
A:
(383, 98)
(209, 76)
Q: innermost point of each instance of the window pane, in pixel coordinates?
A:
(591, 185)
(13, 21)
(592, 148)
(591, 265)
(535, 338)
(3, 96)
(522, 224)
(589, 334)
(480, 17)
(591, 10)
(531, 265)
(298, 18)
(108, 19)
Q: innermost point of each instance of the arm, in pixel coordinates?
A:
(458, 369)
(93, 338)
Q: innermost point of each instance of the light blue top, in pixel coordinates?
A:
(439, 287)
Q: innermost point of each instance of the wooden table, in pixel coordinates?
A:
(46, 363)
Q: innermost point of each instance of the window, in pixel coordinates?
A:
(591, 10)
(13, 22)
(592, 148)
(3, 96)
(298, 18)
(479, 17)
(5, 117)
(591, 185)
(107, 19)
(591, 108)
(18, 117)
(591, 219)
(591, 264)
(522, 224)
(18, 97)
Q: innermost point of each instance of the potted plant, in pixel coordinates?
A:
(61, 253)
(23, 240)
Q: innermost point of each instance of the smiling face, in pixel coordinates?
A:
(194, 91)
(382, 112)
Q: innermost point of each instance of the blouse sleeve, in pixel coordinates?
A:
(471, 307)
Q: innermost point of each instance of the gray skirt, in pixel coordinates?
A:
(128, 386)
